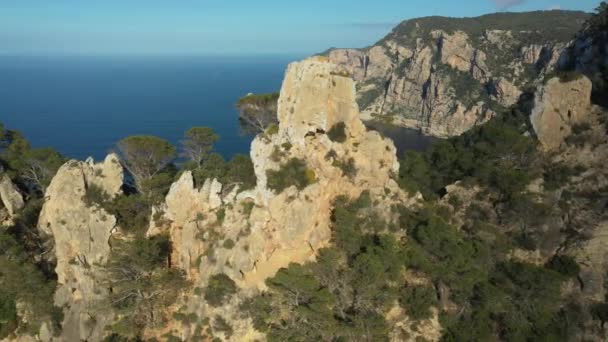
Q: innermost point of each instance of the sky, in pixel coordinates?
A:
(223, 27)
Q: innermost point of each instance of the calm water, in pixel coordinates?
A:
(82, 105)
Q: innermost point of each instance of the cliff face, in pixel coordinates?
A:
(560, 105)
(81, 232)
(250, 235)
(445, 76)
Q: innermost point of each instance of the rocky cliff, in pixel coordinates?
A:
(80, 231)
(250, 235)
(446, 75)
(559, 106)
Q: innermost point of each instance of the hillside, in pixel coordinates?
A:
(447, 75)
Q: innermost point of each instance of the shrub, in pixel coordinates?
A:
(228, 244)
(248, 208)
(222, 326)
(293, 173)
(95, 195)
(565, 265)
(337, 133)
(417, 300)
(143, 286)
(349, 169)
(271, 130)
(145, 156)
(220, 215)
(220, 289)
(599, 311)
(132, 212)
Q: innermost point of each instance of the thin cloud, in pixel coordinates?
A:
(506, 4)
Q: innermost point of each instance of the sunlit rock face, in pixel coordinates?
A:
(250, 235)
(81, 235)
(445, 76)
(558, 106)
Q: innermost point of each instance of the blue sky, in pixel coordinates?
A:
(231, 27)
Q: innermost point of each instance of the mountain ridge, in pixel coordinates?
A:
(445, 75)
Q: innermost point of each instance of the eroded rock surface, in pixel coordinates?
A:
(559, 105)
(446, 80)
(249, 236)
(81, 231)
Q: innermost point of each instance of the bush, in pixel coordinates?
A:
(95, 195)
(418, 300)
(143, 285)
(132, 212)
(349, 169)
(220, 215)
(293, 173)
(565, 265)
(219, 290)
(24, 282)
(228, 244)
(271, 130)
(145, 156)
(222, 326)
(337, 133)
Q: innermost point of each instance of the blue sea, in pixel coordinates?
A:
(82, 106)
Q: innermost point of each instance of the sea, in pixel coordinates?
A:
(82, 106)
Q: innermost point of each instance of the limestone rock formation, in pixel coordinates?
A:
(558, 106)
(81, 231)
(444, 76)
(249, 236)
(10, 197)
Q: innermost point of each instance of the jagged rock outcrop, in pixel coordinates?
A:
(10, 198)
(249, 236)
(81, 231)
(445, 76)
(559, 105)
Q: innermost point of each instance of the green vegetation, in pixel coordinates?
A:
(418, 300)
(23, 281)
(260, 100)
(145, 157)
(257, 112)
(597, 25)
(33, 168)
(348, 167)
(549, 26)
(346, 293)
(199, 143)
(238, 171)
(27, 281)
(293, 173)
(337, 133)
(340, 297)
(219, 290)
(496, 154)
(143, 285)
